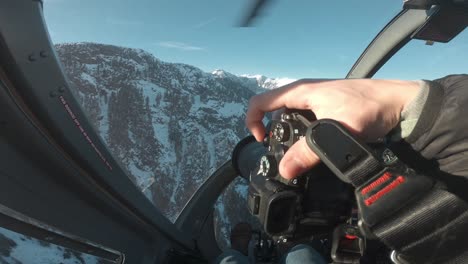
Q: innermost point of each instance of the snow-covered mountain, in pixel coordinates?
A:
(170, 125)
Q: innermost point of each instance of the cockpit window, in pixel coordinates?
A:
(417, 60)
(166, 84)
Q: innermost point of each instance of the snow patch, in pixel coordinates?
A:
(242, 189)
(231, 109)
(90, 79)
(31, 250)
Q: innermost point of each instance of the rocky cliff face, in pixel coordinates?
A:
(170, 125)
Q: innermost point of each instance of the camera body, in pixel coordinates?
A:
(282, 134)
(314, 202)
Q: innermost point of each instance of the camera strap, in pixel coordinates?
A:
(410, 212)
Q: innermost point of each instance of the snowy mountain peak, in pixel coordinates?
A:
(219, 73)
(258, 77)
(268, 83)
(257, 83)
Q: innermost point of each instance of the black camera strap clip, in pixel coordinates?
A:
(383, 184)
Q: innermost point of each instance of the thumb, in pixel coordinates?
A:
(297, 160)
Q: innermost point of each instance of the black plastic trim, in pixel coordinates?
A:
(364, 67)
(22, 224)
(196, 214)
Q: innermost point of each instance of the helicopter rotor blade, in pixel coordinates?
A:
(254, 12)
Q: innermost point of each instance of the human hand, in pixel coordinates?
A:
(368, 108)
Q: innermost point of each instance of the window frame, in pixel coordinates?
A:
(77, 165)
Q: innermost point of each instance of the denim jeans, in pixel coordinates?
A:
(299, 254)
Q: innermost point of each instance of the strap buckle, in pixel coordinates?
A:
(347, 245)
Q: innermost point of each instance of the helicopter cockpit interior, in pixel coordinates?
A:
(87, 127)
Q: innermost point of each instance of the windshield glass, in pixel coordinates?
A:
(166, 83)
(417, 60)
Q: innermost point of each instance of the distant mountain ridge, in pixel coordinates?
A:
(258, 83)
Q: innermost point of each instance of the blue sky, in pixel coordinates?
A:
(295, 38)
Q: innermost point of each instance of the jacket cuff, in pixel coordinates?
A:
(419, 115)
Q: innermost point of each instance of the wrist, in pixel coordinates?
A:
(403, 93)
(412, 108)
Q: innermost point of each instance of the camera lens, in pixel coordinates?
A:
(246, 155)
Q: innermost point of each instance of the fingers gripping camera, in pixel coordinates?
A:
(282, 135)
(274, 200)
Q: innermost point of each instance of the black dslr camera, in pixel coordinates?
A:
(320, 204)
(310, 204)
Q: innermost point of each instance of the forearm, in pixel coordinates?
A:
(435, 123)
